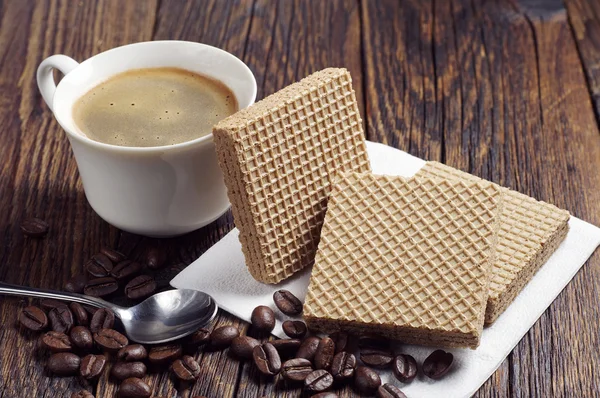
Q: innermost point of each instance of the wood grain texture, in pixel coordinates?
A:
(493, 87)
(584, 17)
(497, 89)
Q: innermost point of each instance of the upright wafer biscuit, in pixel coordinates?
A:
(279, 157)
(530, 231)
(406, 259)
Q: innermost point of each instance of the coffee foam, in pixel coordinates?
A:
(153, 107)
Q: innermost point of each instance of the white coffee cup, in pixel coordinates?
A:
(154, 191)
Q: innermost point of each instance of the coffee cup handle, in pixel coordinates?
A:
(45, 78)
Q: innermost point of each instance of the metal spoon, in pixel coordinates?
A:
(162, 317)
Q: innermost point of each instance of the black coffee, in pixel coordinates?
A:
(153, 107)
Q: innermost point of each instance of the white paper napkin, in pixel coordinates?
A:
(221, 272)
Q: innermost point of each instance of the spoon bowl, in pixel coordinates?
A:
(167, 316)
(162, 317)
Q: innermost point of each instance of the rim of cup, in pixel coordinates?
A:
(79, 136)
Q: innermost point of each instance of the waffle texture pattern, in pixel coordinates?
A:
(530, 231)
(279, 158)
(405, 259)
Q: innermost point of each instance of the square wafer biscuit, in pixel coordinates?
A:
(279, 157)
(530, 231)
(405, 259)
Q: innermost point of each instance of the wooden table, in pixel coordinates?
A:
(507, 90)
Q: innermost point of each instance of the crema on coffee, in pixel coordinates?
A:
(153, 107)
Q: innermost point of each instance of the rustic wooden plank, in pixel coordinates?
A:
(508, 102)
(584, 17)
(38, 173)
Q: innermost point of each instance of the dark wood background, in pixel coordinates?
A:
(508, 90)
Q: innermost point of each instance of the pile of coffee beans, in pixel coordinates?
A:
(81, 341)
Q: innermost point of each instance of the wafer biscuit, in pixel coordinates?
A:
(279, 157)
(405, 259)
(530, 231)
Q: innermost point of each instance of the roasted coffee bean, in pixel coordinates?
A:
(286, 347)
(376, 359)
(294, 329)
(296, 369)
(103, 318)
(186, 368)
(92, 366)
(80, 315)
(389, 391)
(341, 341)
(343, 365)
(156, 258)
(49, 304)
(33, 318)
(125, 270)
(63, 364)
(61, 319)
(77, 283)
(57, 342)
(308, 348)
(242, 346)
(404, 368)
(325, 353)
(318, 380)
(82, 394)
(132, 353)
(35, 227)
(125, 370)
(325, 395)
(101, 287)
(82, 338)
(437, 364)
(110, 340)
(287, 302)
(223, 336)
(373, 344)
(113, 255)
(199, 337)
(99, 266)
(366, 380)
(134, 388)
(267, 359)
(140, 287)
(263, 319)
(164, 353)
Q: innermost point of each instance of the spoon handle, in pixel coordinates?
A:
(15, 290)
